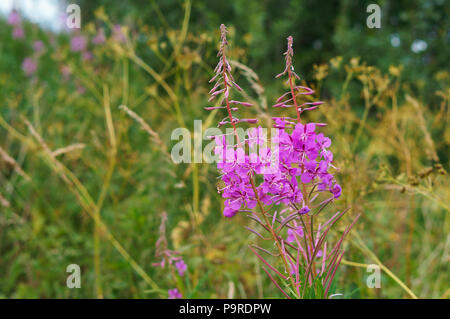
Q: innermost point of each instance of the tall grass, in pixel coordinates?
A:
(81, 182)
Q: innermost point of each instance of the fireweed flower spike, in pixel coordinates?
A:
(78, 43)
(170, 260)
(18, 33)
(224, 83)
(118, 34)
(29, 66)
(99, 38)
(289, 69)
(14, 18)
(236, 169)
(38, 46)
(300, 188)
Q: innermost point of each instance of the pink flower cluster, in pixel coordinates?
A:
(29, 66)
(303, 155)
(296, 171)
(15, 20)
(78, 43)
(174, 294)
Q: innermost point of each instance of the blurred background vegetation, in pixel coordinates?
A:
(81, 182)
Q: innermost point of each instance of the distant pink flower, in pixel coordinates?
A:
(38, 46)
(29, 66)
(14, 18)
(78, 43)
(99, 38)
(66, 72)
(18, 33)
(181, 267)
(118, 35)
(87, 55)
(174, 294)
(81, 89)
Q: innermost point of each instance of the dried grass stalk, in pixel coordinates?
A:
(431, 149)
(68, 149)
(3, 201)
(48, 151)
(155, 136)
(9, 160)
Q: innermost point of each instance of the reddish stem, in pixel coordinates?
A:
(293, 95)
(308, 219)
(226, 98)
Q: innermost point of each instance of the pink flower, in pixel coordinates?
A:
(304, 210)
(99, 37)
(336, 190)
(38, 46)
(18, 33)
(302, 153)
(29, 66)
(14, 18)
(174, 294)
(118, 35)
(81, 89)
(78, 43)
(87, 55)
(181, 267)
(256, 136)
